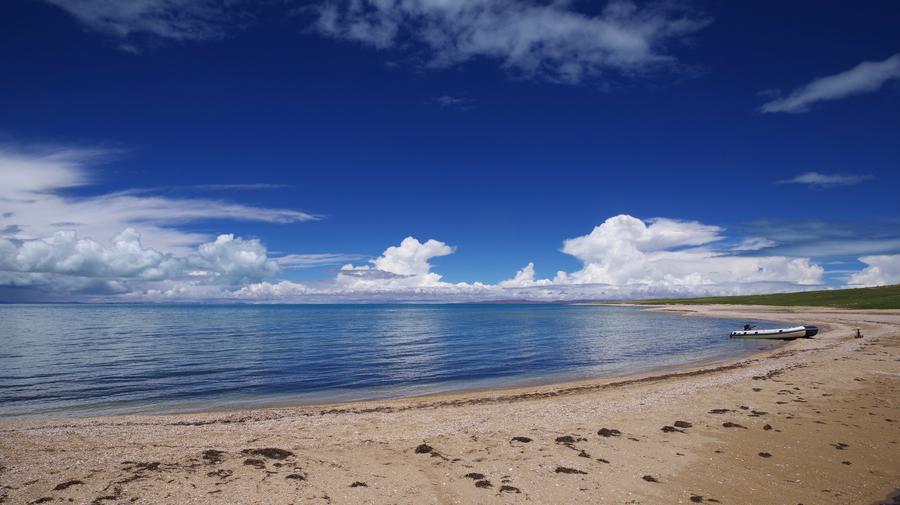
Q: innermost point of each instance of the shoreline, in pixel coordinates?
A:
(375, 440)
(524, 387)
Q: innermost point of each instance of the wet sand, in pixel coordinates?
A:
(816, 421)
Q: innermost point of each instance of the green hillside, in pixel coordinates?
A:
(882, 297)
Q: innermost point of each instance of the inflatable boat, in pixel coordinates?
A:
(785, 333)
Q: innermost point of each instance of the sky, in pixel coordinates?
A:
(445, 150)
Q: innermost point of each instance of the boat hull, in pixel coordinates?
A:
(778, 333)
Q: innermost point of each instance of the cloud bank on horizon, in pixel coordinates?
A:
(130, 245)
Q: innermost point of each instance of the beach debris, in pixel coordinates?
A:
(768, 375)
(152, 466)
(45, 499)
(424, 449)
(117, 493)
(67, 484)
(767, 427)
(603, 460)
(509, 489)
(670, 429)
(427, 449)
(563, 469)
(846, 463)
(697, 498)
(609, 432)
(729, 424)
(483, 483)
(268, 452)
(296, 476)
(213, 456)
(583, 454)
(565, 439)
(475, 476)
(220, 473)
(524, 440)
(765, 455)
(719, 411)
(649, 478)
(757, 413)
(683, 424)
(256, 463)
(840, 446)
(359, 484)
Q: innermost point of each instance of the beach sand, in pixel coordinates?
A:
(814, 422)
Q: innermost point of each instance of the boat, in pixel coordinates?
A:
(780, 333)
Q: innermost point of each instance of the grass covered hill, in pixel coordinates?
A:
(882, 297)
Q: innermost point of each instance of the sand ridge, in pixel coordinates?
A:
(816, 421)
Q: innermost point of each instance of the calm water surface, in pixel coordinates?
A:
(58, 360)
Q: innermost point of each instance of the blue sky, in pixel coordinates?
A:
(499, 129)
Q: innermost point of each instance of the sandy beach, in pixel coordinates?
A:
(814, 422)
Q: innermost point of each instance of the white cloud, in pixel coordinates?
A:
(64, 253)
(234, 261)
(625, 251)
(754, 244)
(822, 181)
(880, 270)
(551, 40)
(64, 262)
(31, 203)
(404, 266)
(168, 19)
(62, 244)
(525, 278)
(866, 77)
(624, 257)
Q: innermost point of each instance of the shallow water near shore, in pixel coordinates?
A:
(79, 360)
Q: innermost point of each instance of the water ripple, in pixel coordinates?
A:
(113, 359)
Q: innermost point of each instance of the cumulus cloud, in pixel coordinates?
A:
(129, 245)
(66, 254)
(32, 205)
(233, 261)
(524, 278)
(821, 181)
(546, 39)
(168, 19)
(881, 270)
(66, 262)
(663, 253)
(866, 77)
(405, 266)
(624, 257)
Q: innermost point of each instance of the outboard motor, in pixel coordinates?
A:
(810, 331)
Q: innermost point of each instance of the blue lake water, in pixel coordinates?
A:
(74, 360)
